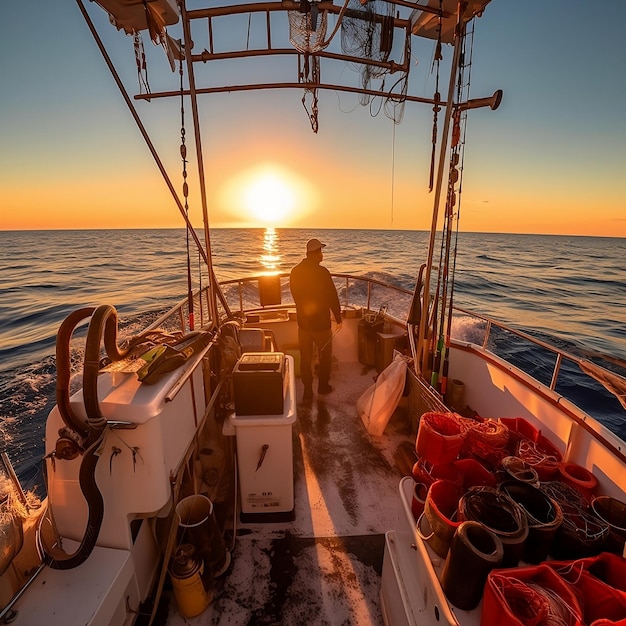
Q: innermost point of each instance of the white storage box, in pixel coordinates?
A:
(265, 459)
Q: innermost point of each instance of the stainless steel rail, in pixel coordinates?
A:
(369, 295)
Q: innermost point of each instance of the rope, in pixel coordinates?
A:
(140, 60)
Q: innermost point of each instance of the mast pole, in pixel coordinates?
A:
(212, 304)
(144, 133)
(421, 357)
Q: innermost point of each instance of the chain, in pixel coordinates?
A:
(183, 155)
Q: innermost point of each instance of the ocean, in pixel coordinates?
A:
(567, 290)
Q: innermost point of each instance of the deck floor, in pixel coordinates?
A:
(324, 567)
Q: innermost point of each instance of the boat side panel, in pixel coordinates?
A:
(496, 389)
(133, 473)
(93, 593)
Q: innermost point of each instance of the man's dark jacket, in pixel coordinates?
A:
(315, 295)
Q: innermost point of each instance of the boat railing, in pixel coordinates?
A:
(366, 294)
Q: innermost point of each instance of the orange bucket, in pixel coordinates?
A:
(439, 438)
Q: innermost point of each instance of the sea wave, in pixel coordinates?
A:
(563, 290)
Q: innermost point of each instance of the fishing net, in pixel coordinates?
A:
(527, 443)
(582, 533)
(520, 470)
(541, 455)
(486, 440)
(601, 583)
(307, 28)
(367, 32)
(496, 510)
(530, 597)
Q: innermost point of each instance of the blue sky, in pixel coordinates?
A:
(551, 159)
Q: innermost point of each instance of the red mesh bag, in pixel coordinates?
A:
(529, 596)
(601, 583)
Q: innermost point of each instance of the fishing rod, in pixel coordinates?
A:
(339, 327)
(423, 338)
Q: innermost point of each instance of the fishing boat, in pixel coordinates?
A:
(188, 482)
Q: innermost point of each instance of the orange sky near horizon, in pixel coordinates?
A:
(141, 200)
(549, 160)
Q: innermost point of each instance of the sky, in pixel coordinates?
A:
(551, 159)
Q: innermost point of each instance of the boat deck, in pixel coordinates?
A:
(324, 567)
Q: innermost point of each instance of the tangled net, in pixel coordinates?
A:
(307, 28)
(534, 604)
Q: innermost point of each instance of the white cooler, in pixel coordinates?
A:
(265, 459)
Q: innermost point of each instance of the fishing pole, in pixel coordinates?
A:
(339, 326)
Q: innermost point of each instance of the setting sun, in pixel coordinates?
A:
(267, 195)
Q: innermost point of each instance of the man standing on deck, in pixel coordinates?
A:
(315, 296)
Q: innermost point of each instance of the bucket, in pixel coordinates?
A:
(544, 516)
(439, 438)
(456, 394)
(527, 443)
(600, 582)
(440, 509)
(613, 512)
(519, 428)
(500, 514)
(579, 477)
(197, 525)
(425, 472)
(474, 552)
(474, 473)
(420, 491)
(186, 573)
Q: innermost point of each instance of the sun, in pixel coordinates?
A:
(269, 197)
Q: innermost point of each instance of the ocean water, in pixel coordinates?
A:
(567, 290)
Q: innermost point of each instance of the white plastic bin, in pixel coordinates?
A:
(265, 459)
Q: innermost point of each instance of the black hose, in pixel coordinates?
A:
(64, 337)
(103, 321)
(87, 481)
(104, 318)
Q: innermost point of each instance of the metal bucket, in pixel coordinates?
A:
(197, 525)
(613, 512)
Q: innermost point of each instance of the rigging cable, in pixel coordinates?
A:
(183, 154)
(456, 175)
(438, 56)
(393, 167)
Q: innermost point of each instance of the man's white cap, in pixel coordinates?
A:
(314, 244)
